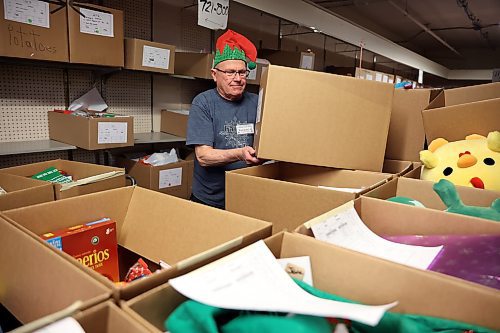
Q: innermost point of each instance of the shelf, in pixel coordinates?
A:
(26, 147)
(156, 137)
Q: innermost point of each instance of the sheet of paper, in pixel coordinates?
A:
(96, 23)
(65, 325)
(385, 78)
(213, 14)
(342, 189)
(369, 76)
(32, 12)
(378, 77)
(344, 228)
(298, 267)
(155, 57)
(306, 62)
(170, 178)
(111, 132)
(252, 279)
(91, 100)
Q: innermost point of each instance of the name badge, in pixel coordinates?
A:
(242, 129)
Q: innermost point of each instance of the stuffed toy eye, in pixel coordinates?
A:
(447, 171)
(489, 161)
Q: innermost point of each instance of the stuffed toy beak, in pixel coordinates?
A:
(466, 160)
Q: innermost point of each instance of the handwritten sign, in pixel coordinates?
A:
(213, 14)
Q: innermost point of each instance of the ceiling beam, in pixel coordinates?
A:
(308, 14)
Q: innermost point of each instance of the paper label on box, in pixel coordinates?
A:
(170, 178)
(111, 132)
(259, 105)
(306, 62)
(32, 12)
(378, 77)
(242, 129)
(96, 23)
(155, 57)
(385, 78)
(213, 14)
(253, 74)
(369, 76)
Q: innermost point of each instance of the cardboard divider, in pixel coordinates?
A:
(22, 191)
(422, 191)
(322, 119)
(288, 194)
(398, 168)
(355, 276)
(153, 225)
(36, 281)
(78, 170)
(86, 133)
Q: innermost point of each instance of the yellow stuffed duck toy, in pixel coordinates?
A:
(473, 162)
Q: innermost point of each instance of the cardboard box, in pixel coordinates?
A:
(45, 39)
(322, 119)
(22, 191)
(422, 191)
(304, 60)
(104, 48)
(357, 277)
(91, 133)
(288, 194)
(150, 225)
(174, 122)
(406, 131)
(194, 64)
(78, 170)
(457, 121)
(463, 95)
(149, 56)
(36, 281)
(174, 178)
(256, 74)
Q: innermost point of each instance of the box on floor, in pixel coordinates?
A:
(36, 281)
(42, 39)
(91, 133)
(351, 275)
(150, 225)
(288, 194)
(422, 191)
(22, 191)
(149, 56)
(97, 37)
(317, 119)
(173, 178)
(78, 170)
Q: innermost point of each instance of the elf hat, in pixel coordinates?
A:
(233, 46)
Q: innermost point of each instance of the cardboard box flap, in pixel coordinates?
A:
(22, 191)
(456, 122)
(325, 111)
(370, 280)
(11, 183)
(29, 282)
(397, 167)
(202, 228)
(463, 95)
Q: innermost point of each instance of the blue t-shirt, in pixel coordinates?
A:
(212, 122)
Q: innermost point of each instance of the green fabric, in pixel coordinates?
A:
(234, 54)
(195, 317)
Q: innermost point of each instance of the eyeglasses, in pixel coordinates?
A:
(231, 74)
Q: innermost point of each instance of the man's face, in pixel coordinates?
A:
(230, 87)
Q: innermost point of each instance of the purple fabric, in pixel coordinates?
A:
(474, 258)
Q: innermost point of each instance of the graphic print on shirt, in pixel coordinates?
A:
(231, 138)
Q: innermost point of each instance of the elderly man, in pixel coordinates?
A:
(221, 120)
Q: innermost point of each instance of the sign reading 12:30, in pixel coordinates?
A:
(213, 14)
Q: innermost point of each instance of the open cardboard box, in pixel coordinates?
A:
(406, 131)
(31, 41)
(422, 191)
(35, 281)
(287, 194)
(145, 55)
(150, 225)
(174, 122)
(173, 178)
(463, 95)
(194, 64)
(22, 191)
(105, 48)
(357, 277)
(322, 119)
(78, 170)
(304, 60)
(91, 133)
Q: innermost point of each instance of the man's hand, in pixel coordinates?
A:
(248, 155)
